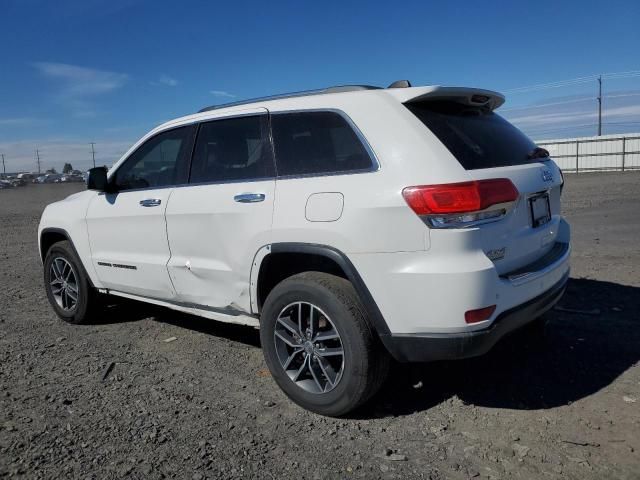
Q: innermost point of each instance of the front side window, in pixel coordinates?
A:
(159, 162)
(308, 143)
(232, 149)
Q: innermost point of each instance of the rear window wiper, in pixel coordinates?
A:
(538, 152)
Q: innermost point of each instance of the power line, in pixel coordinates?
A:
(573, 81)
(526, 107)
(557, 129)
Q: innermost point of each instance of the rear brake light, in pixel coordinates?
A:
(479, 315)
(459, 204)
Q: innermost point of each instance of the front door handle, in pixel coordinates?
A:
(249, 197)
(150, 202)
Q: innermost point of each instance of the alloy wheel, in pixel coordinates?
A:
(63, 284)
(309, 347)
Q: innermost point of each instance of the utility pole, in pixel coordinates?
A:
(38, 158)
(600, 105)
(4, 168)
(93, 154)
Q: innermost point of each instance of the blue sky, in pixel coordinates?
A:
(73, 72)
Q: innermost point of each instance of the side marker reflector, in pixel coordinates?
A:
(479, 315)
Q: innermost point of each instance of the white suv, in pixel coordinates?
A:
(351, 225)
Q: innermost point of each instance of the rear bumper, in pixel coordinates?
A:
(425, 347)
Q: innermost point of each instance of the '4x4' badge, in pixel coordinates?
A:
(547, 176)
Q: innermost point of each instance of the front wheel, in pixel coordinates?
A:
(68, 288)
(319, 344)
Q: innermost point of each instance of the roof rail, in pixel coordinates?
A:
(305, 93)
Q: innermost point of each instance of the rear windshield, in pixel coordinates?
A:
(477, 137)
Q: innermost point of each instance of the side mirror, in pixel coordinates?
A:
(98, 179)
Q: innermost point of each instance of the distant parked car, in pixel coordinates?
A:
(5, 184)
(48, 178)
(71, 177)
(18, 182)
(27, 176)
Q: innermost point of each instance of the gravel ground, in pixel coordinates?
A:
(116, 399)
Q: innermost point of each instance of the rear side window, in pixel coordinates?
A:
(478, 138)
(308, 143)
(232, 149)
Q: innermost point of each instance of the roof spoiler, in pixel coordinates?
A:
(474, 97)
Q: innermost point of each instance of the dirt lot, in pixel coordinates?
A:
(203, 406)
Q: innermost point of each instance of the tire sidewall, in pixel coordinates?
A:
(62, 250)
(356, 359)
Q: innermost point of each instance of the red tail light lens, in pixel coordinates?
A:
(459, 197)
(479, 315)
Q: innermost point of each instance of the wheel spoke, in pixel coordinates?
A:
(72, 295)
(330, 374)
(291, 357)
(311, 329)
(315, 375)
(301, 370)
(73, 287)
(330, 352)
(287, 323)
(62, 269)
(300, 329)
(328, 335)
(288, 341)
(54, 268)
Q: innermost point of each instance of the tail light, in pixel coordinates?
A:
(458, 205)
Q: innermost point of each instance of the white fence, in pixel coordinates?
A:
(607, 152)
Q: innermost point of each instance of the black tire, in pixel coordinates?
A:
(87, 303)
(366, 362)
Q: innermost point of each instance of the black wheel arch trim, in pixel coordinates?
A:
(64, 233)
(350, 271)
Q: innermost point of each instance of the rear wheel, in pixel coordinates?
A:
(68, 288)
(319, 344)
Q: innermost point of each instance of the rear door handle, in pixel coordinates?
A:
(249, 197)
(150, 202)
